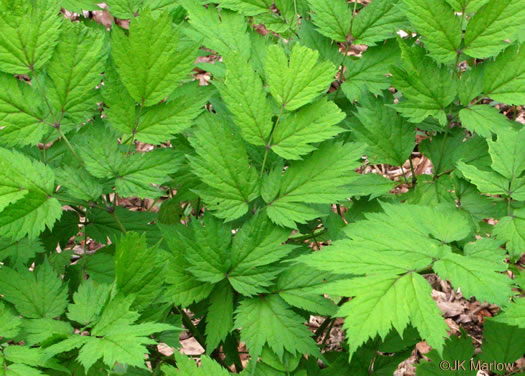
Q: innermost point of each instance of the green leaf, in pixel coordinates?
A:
(256, 245)
(138, 269)
(158, 123)
(371, 184)
(115, 338)
(471, 85)
(513, 314)
(222, 163)
(512, 230)
(487, 181)
(269, 320)
(298, 287)
(124, 9)
(28, 35)
(310, 182)
(349, 257)
(246, 99)
(26, 187)
(207, 246)
(103, 225)
(484, 120)
(78, 6)
(89, 300)
(504, 77)
(378, 21)
(79, 183)
(311, 38)
(376, 308)
(490, 28)
(75, 70)
(99, 149)
(502, 343)
(219, 320)
(17, 254)
(457, 351)
(247, 7)
(18, 369)
(425, 224)
(370, 71)
(389, 138)
(183, 288)
(41, 330)
(187, 367)
(476, 277)
(332, 18)
(152, 61)
(38, 294)
(313, 123)
(300, 80)
(507, 153)
(428, 88)
(21, 113)
(440, 28)
(140, 170)
(9, 322)
(470, 6)
(445, 149)
(225, 34)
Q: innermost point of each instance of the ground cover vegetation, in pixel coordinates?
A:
(251, 133)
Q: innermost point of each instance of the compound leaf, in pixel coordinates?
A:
(299, 80)
(222, 163)
(490, 28)
(440, 28)
(38, 294)
(28, 35)
(332, 18)
(151, 61)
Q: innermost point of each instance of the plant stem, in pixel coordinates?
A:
(192, 329)
(269, 143)
(404, 175)
(326, 322)
(136, 126)
(37, 81)
(117, 221)
(307, 237)
(413, 171)
(63, 136)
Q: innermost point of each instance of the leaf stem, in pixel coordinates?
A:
(413, 171)
(269, 143)
(63, 136)
(117, 221)
(44, 97)
(136, 126)
(192, 328)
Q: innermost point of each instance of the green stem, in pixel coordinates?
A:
(192, 329)
(327, 321)
(117, 221)
(307, 237)
(269, 143)
(136, 126)
(37, 81)
(404, 175)
(327, 335)
(63, 136)
(413, 171)
(443, 146)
